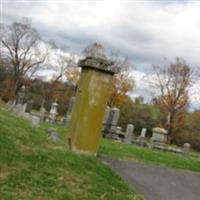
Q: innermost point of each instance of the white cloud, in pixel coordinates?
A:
(146, 31)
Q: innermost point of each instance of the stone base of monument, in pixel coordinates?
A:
(141, 141)
(114, 133)
(53, 134)
(168, 148)
(159, 138)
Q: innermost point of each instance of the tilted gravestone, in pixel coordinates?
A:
(109, 121)
(18, 108)
(29, 106)
(115, 117)
(35, 120)
(21, 95)
(67, 118)
(53, 134)
(129, 136)
(112, 121)
(53, 112)
(71, 104)
(143, 133)
(186, 149)
(141, 140)
(106, 115)
(159, 135)
(43, 111)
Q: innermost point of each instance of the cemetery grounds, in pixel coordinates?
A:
(33, 167)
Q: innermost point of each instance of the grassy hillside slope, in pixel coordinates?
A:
(34, 168)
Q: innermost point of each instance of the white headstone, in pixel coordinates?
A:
(159, 135)
(116, 116)
(67, 120)
(71, 104)
(24, 107)
(143, 132)
(35, 120)
(53, 112)
(186, 149)
(53, 108)
(129, 134)
(107, 111)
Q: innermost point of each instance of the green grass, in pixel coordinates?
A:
(140, 154)
(34, 168)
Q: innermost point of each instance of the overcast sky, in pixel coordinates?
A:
(145, 31)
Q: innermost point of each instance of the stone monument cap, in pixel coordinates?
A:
(187, 145)
(54, 104)
(100, 64)
(160, 130)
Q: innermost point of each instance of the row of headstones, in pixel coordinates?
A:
(24, 111)
(110, 122)
(158, 140)
(23, 108)
(159, 135)
(53, 113)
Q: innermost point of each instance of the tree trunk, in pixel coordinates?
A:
(170, 129)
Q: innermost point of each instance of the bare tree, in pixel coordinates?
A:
(22, 45)
(172, 83)
(63, 64)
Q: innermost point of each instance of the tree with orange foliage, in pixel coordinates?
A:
(172, 82)
(122, 84)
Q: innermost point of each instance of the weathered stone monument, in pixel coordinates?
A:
(129, 136)
(24, 106)
(159, 135)
(143, 133)
(18, 108)
(186, 149)
(43, 111)
(116, 116)
(29, 106)
(71, 104)
(67, 118)
(141, 140)
(91, 99)
(35, 120)
(53, 134)
(106, 114)
(111, 121)
(53, 112)
(21, 95)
